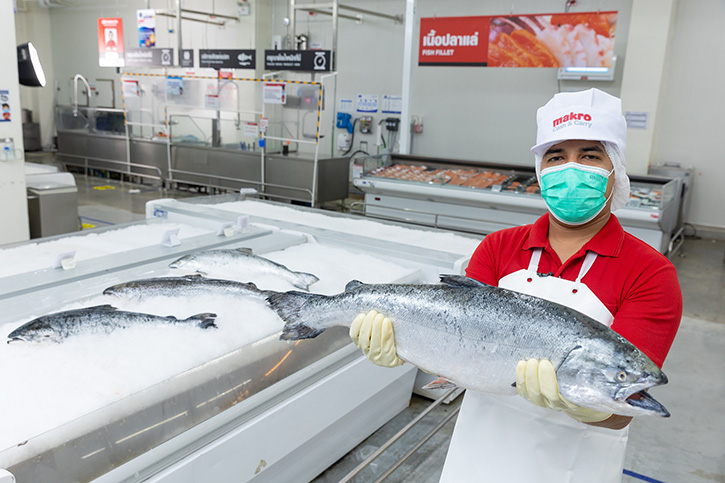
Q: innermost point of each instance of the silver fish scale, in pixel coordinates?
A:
(473, 335)
(83, 321)
(183, 286)
(225, 260)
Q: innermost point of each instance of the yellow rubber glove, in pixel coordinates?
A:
(536, 381)
(373, 333)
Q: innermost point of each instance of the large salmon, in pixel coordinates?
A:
(99, 319)
(186, 286)
(473, 335)
(241, 262)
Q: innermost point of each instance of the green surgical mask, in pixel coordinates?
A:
(575, 193)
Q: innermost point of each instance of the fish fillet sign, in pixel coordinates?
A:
(300, 60)
(583, 39)
(228, 59)
(453, 41)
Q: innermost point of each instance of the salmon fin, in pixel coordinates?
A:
(288, 305)
(440, 383)
(102, 307)
(204, 321)
(461, 281)
(245, 250)
(353, 284)
(307, 280)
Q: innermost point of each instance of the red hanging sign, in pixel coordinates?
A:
(110, 42)
(548, 40)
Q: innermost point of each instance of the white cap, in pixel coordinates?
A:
(591, 115)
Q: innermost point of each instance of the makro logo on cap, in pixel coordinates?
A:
(580, 116)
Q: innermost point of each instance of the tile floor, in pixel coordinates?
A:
(688, 447)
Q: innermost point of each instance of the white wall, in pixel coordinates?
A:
(472, 113)
(33, 25)
(75, 42)
(13, 199)
(649, 45)
(690, 126)
(489, 114)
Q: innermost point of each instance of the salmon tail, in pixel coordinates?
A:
(203, 321)
(288, 306)
(306, 279)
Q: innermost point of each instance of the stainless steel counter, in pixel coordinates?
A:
(267, 411)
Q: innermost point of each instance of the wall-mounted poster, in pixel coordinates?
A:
(547, 40)
(5, 104)
(146, 19)
(110, 42)
(274, 93)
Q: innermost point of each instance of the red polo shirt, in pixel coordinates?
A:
(637, 284)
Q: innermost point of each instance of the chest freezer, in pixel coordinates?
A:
(218, 406)
(482, 197)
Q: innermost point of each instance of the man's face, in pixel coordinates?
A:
(589, 153)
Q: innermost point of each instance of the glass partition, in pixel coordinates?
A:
(96, 120)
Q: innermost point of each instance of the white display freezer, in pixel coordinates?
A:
(190, 405)
(482, 197)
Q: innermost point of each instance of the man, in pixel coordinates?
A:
(577, 255)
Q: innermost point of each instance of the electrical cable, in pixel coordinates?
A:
(382, 138)
(359, 151)
(352, 141)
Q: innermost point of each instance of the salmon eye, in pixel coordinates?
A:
(622, 376)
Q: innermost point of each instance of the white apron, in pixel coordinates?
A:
(509, 439)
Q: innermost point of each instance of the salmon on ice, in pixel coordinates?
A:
(473, 335)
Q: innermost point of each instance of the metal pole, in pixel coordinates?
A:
(392, 440)
(167, 180)
(199, 12)
(407, 68)
(357, 18)
(394, 18)
(218, 23)
(293, 28)
(178, 32)
(334, 100)
(335, 11)
(125, 125)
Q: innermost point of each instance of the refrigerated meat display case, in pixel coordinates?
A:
(184, 404)
(482, 197)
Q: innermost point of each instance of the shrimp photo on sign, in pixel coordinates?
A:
(557, 40)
